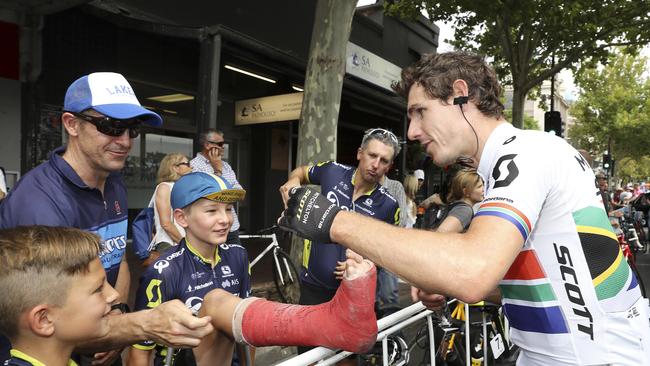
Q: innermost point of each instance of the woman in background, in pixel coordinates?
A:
(168, 233)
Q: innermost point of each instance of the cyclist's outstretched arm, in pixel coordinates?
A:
(296, 178)
(466, 266)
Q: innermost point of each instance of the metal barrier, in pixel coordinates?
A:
(386, 326)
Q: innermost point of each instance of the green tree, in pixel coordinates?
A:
(632, 170)
(614, 108)
(529, 122)
(524, 35)
(323, 84)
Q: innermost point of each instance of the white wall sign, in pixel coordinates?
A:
(370, 67)
(285, 107)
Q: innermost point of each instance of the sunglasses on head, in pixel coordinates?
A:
(220, 143)
(111, 126)
(381, 132)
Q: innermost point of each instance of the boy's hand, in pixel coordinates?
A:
(172, 324)
(309, 214)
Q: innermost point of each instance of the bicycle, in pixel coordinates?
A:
(285, 275)
(450, 343)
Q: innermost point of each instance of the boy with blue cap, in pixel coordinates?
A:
(212, 279)
(201, 262)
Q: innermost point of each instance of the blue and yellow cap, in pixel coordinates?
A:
(193, 186)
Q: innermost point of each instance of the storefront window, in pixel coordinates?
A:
(143, 161)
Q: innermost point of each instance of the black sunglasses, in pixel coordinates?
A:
(187, 163)
(111, 126)
(220, 143)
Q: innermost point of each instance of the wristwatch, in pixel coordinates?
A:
(122, 307)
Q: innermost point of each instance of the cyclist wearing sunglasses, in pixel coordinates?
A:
(541, 233)
(81, 186)
(350, 189)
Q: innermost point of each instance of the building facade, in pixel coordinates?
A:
(206, 64)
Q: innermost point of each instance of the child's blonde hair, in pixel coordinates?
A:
(36, 266)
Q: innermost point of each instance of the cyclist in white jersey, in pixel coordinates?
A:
(541, 233)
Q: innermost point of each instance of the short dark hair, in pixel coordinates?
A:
(436, 73)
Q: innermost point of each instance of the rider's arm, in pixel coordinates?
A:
(466, 266)
(297, 177)
(451, 224)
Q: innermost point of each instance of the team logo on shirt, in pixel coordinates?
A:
(227, 283)
(194, 304)
(118, 210)
(197, 275)
(368, 201)
(510, 168)
(227, 272)
(160, 265)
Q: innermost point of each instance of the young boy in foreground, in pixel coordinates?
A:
(54, 293)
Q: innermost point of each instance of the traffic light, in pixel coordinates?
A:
(553, 122)
(607, 160)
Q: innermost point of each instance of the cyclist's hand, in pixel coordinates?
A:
(431, 301)
(340, 269)
(106, 358)
(309, 214)
(172, 324)
(285, 188)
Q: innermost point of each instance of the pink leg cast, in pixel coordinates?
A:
(346, 322)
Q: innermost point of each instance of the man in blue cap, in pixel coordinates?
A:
(81, 186)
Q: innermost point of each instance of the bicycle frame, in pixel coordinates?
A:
(274, 243)
(275, 246)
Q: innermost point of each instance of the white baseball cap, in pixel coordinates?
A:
(419, 174)
(109, 94)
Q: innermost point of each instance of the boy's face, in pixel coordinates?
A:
(208, 221)
(84, 314)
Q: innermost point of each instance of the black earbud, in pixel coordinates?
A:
(461, 100)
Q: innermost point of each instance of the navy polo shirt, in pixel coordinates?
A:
(53, 194)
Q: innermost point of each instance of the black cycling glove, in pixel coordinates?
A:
(309, 214)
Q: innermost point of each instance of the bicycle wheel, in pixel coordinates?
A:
(286, 281)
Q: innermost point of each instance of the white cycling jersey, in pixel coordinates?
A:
(570, 296)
